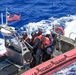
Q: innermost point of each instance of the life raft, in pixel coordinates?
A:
(59, 29)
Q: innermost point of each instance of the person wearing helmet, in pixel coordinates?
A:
(39, 31)
(48, 45)
(25, 37)
(35, 42)
(41, 37)
(33, 35)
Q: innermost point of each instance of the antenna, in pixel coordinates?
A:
(6, 17)
(2, 18)
(52, 8)
(53, 26)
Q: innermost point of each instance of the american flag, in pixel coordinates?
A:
(13, 17)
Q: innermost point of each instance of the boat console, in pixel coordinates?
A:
(18, 54)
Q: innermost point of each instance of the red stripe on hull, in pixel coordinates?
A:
(59, 68)
(54, 64)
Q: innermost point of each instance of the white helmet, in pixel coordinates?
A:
(48, 32)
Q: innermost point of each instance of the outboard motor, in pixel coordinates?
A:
(17, 50)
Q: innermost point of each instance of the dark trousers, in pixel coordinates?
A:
(38, 56)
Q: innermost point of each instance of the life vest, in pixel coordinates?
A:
(40, 37)
(59, 29)
(46, 41)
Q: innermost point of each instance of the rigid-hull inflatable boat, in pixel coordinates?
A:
(18, 57)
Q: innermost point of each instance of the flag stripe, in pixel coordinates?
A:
(15, 17)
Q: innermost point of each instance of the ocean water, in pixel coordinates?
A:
(42, 14)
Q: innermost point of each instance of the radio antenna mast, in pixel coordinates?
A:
(6, 17)
(2, 18)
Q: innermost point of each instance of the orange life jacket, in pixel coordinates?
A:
(46, 41)
(39, 37)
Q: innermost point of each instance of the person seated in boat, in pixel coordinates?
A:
(36, 47)
(48, 40)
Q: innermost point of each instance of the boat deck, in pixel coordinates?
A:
(56, 53)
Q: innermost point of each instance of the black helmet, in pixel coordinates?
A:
(24, 34)
(39, 31)
(33, 34)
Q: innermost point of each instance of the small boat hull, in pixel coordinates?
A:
(54, 64)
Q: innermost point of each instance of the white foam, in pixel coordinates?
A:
(68, 22)
(2, 47)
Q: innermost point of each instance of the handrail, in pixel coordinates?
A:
(71, 33)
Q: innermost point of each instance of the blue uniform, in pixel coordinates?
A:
(37, 50)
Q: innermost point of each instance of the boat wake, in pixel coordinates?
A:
(67, 23)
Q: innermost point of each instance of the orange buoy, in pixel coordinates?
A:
(59, 29)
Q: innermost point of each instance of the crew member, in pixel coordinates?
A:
(36, 49)
(26, 40)
(25, 37)
(48, 40)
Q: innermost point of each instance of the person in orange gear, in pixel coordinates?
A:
(36, 42)
(41, 37)
(48, 40)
